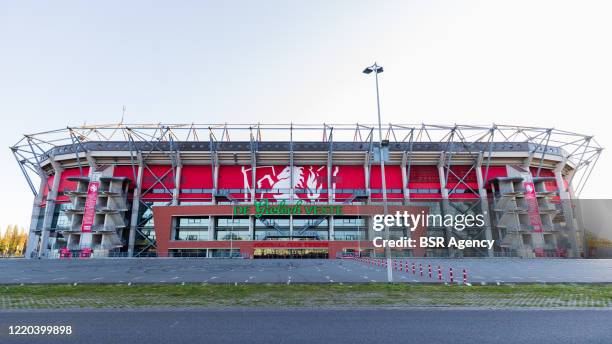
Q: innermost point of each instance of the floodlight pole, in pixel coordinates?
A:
(379, 69)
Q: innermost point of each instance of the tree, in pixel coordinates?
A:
(13, 241)
(23, 240)
(4, 241)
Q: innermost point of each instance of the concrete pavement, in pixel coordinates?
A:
(178, 270)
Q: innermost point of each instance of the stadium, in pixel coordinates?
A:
(301, 190)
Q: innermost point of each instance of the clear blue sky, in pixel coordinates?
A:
(543, 63)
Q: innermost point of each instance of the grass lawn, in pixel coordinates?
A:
(302, 295)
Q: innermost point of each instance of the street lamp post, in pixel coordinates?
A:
(376, 69)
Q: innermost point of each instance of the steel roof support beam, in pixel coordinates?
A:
(587, 142)
(25, 173)
(586, 175)
(76, 151)
(549, 131)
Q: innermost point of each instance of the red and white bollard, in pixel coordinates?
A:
(421, 269)
(439, 273)
(464, 277)
(413, 269)
(450, 275)
(429, 270)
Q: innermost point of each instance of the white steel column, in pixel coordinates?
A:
(177, 184)
(32, 237)
(49, 210)
(215, 179)
(253, 176)
(366, 170)
(444, 203)
(566, 204)
(211, 228)
(405, 186)
(330, 193)
(251, 227)
(484, 202)
(134, 218)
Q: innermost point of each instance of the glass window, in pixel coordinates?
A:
(191, 228)
(229, 222)
(60, 219)
(349, 222)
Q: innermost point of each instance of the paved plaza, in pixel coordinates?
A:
(193, 270)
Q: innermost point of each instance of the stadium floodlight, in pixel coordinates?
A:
(382, 144)
(374, 68)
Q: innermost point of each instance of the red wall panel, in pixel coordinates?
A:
(126, 171)
(195, 178)
(348, 177)
(551, 185)
(393, 178)
(494, 172)
(424, 177)
(66, 185)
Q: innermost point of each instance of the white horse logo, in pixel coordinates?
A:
(279, 184)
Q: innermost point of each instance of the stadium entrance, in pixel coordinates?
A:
(290, 253)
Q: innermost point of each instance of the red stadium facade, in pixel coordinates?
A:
(195, 190)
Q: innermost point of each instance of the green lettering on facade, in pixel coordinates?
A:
(264, 207)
